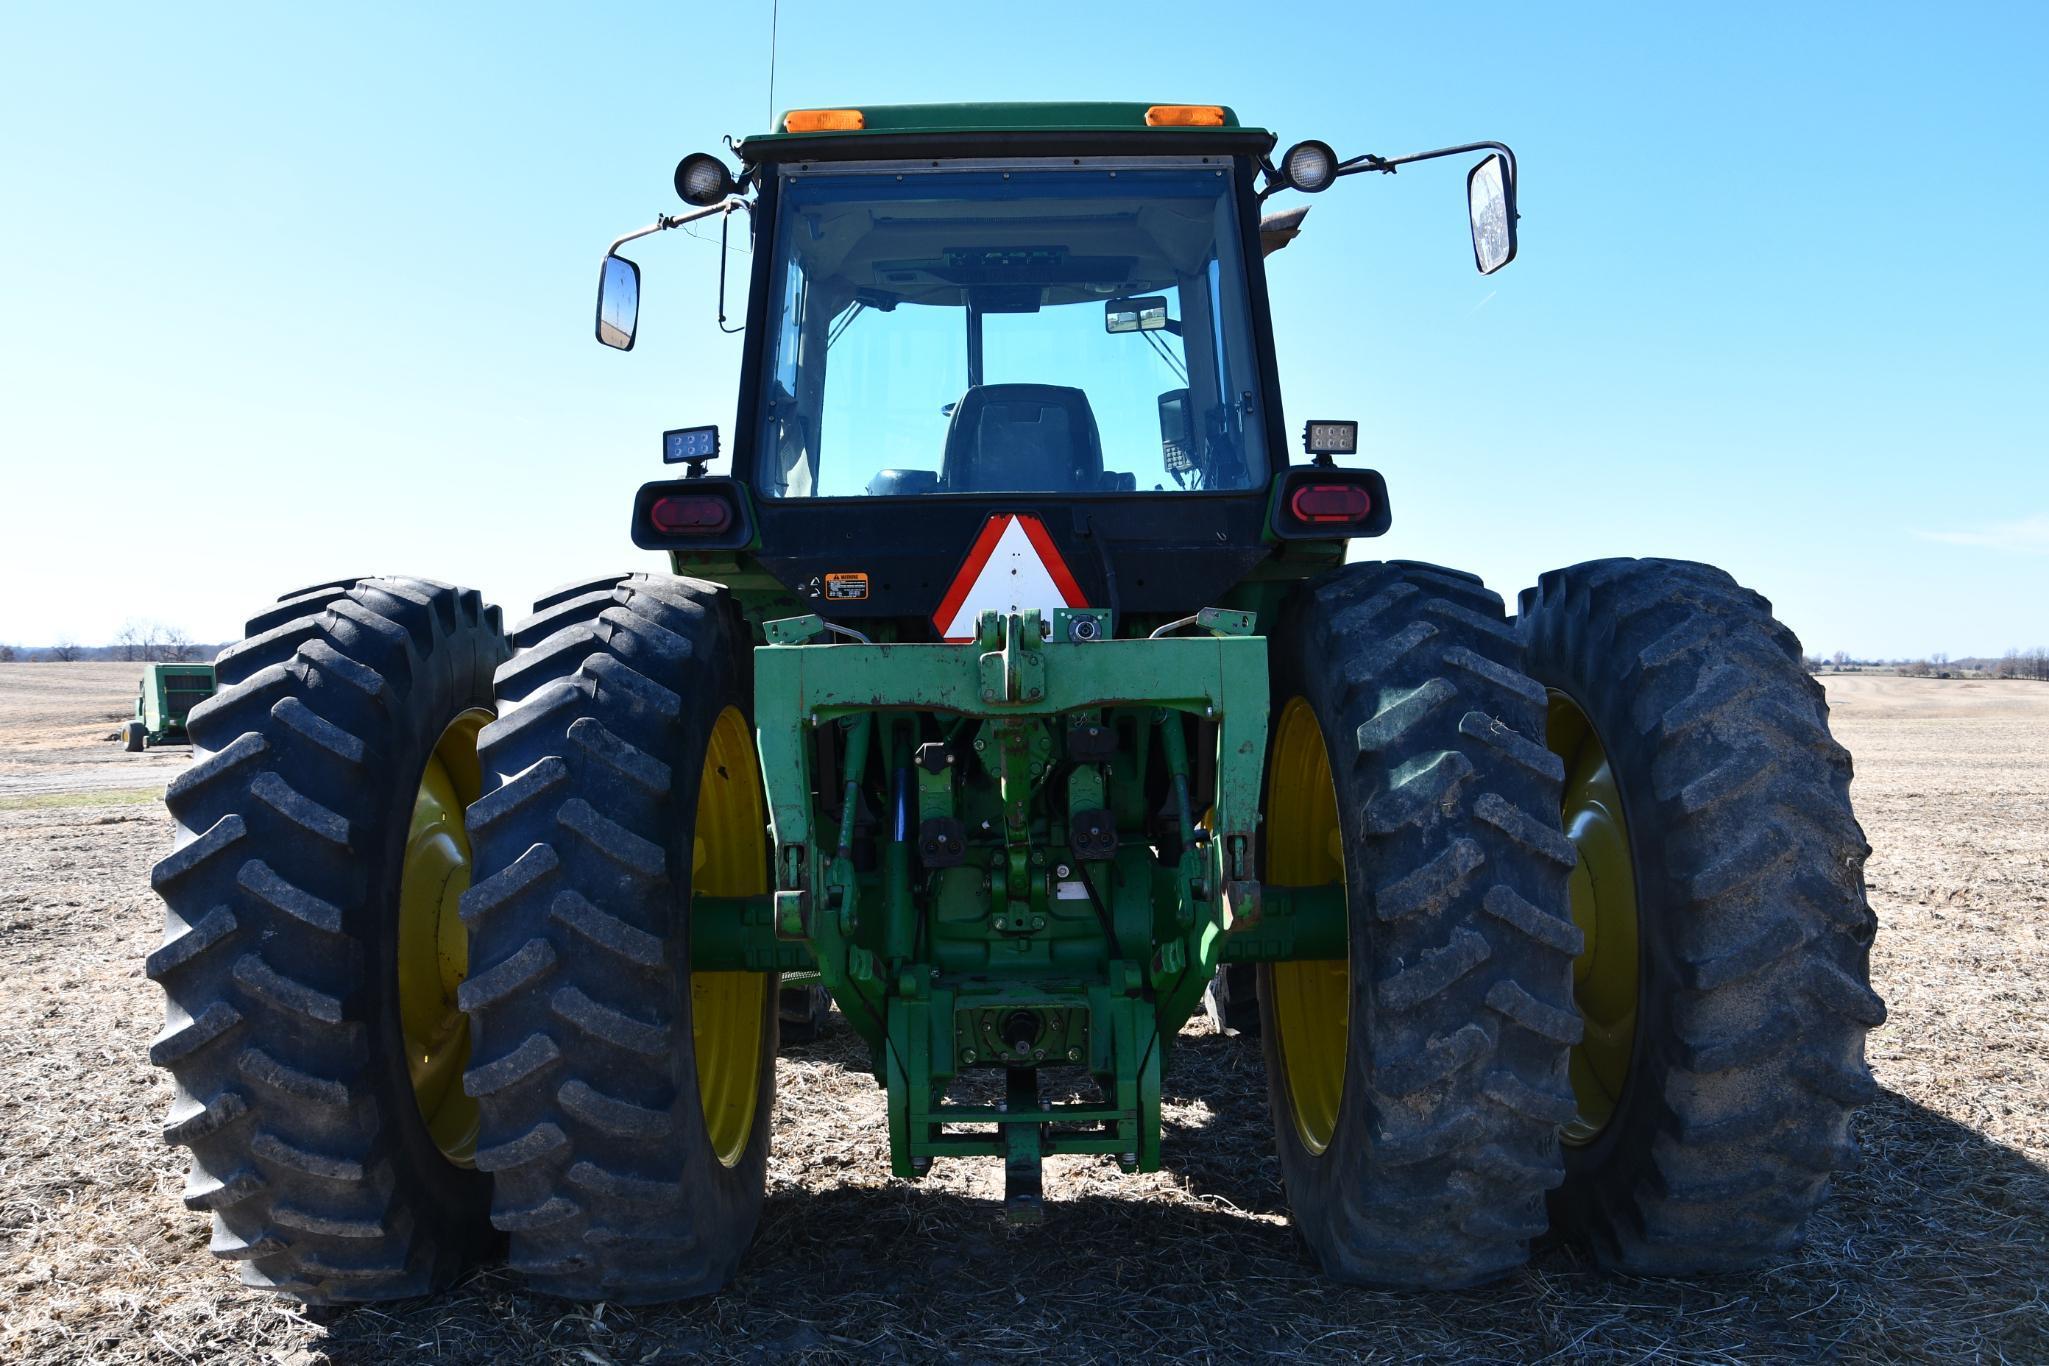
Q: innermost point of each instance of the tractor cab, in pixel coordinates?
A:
(1055, 314)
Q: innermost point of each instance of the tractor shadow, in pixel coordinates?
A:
(1217, 1133)
(1935, 1246)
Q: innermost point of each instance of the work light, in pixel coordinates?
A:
(1310, 166)
(703, 179)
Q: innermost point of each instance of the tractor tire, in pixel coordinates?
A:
(283, 1036)
(1417, 1088)
(626, 1101)
(1717, 1087)
(134, 736)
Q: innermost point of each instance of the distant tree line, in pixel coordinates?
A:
(2016, 663)
(139, 640)
(2022, 664)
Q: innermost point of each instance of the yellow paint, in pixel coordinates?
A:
(1311, 1001)
(728, 1010)
(1605, 975)
(433, 950)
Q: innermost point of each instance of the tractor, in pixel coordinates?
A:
(1014, 678)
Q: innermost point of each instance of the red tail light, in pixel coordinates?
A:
(688, 516)
(1330, 504)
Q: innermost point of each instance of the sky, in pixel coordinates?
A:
(289, 293)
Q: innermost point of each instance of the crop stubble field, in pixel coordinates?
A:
(1936, 1246)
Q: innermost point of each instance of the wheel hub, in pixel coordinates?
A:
(1311, 1000)
(728, 1010)
(1605, 976)
(433, 948)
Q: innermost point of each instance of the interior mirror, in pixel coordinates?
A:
(1490, 201)
(618, 302)
(1135, 315)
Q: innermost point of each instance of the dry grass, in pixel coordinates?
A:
(1936, 1247)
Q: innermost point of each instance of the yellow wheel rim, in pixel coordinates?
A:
(728, 1010)
(1312, 1002)
(433, 950)
(1604, 976)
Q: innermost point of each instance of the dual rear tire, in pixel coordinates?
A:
(1607, 972)
(401, 1041)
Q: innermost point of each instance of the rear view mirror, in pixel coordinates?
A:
(618, 302)
(1281, 227)
(1135, 315)
(1490, 201)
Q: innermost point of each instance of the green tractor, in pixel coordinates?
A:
(1014, 681)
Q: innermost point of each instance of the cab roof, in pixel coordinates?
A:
(1008, 125)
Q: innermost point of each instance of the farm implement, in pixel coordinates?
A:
(165, 697)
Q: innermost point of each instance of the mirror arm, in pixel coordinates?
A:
(663, 222)
(1387, 165)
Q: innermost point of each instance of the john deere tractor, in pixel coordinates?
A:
(1014, 679)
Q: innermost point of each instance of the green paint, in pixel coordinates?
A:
(1016, 931)
(167, 694)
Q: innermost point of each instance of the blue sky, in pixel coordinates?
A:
(293, 293)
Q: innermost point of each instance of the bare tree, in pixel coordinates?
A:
(65, 650)
(175, 646)
(1840, 658)
(129, 639)
(8, 654)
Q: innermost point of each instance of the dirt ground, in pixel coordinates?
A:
(1937, 1246)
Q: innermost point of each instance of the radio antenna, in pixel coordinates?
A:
(774, 13)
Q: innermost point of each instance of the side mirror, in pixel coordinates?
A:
(1135, 315)
(1490, 202)
(618, 302)
(1280, 227)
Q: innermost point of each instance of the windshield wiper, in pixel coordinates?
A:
(1180, 371)
(846, 320)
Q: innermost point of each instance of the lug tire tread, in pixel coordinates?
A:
(581, 1065)
(1446, 1140)
(1740, 1101)
(299, 1139)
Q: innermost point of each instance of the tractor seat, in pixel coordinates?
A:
(1022, 438)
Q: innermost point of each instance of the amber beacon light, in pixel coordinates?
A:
(1185, 116)
(823, 121)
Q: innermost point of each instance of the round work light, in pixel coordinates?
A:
(1310, 166)
(703, 179)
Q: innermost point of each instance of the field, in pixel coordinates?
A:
(1937, 1246)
